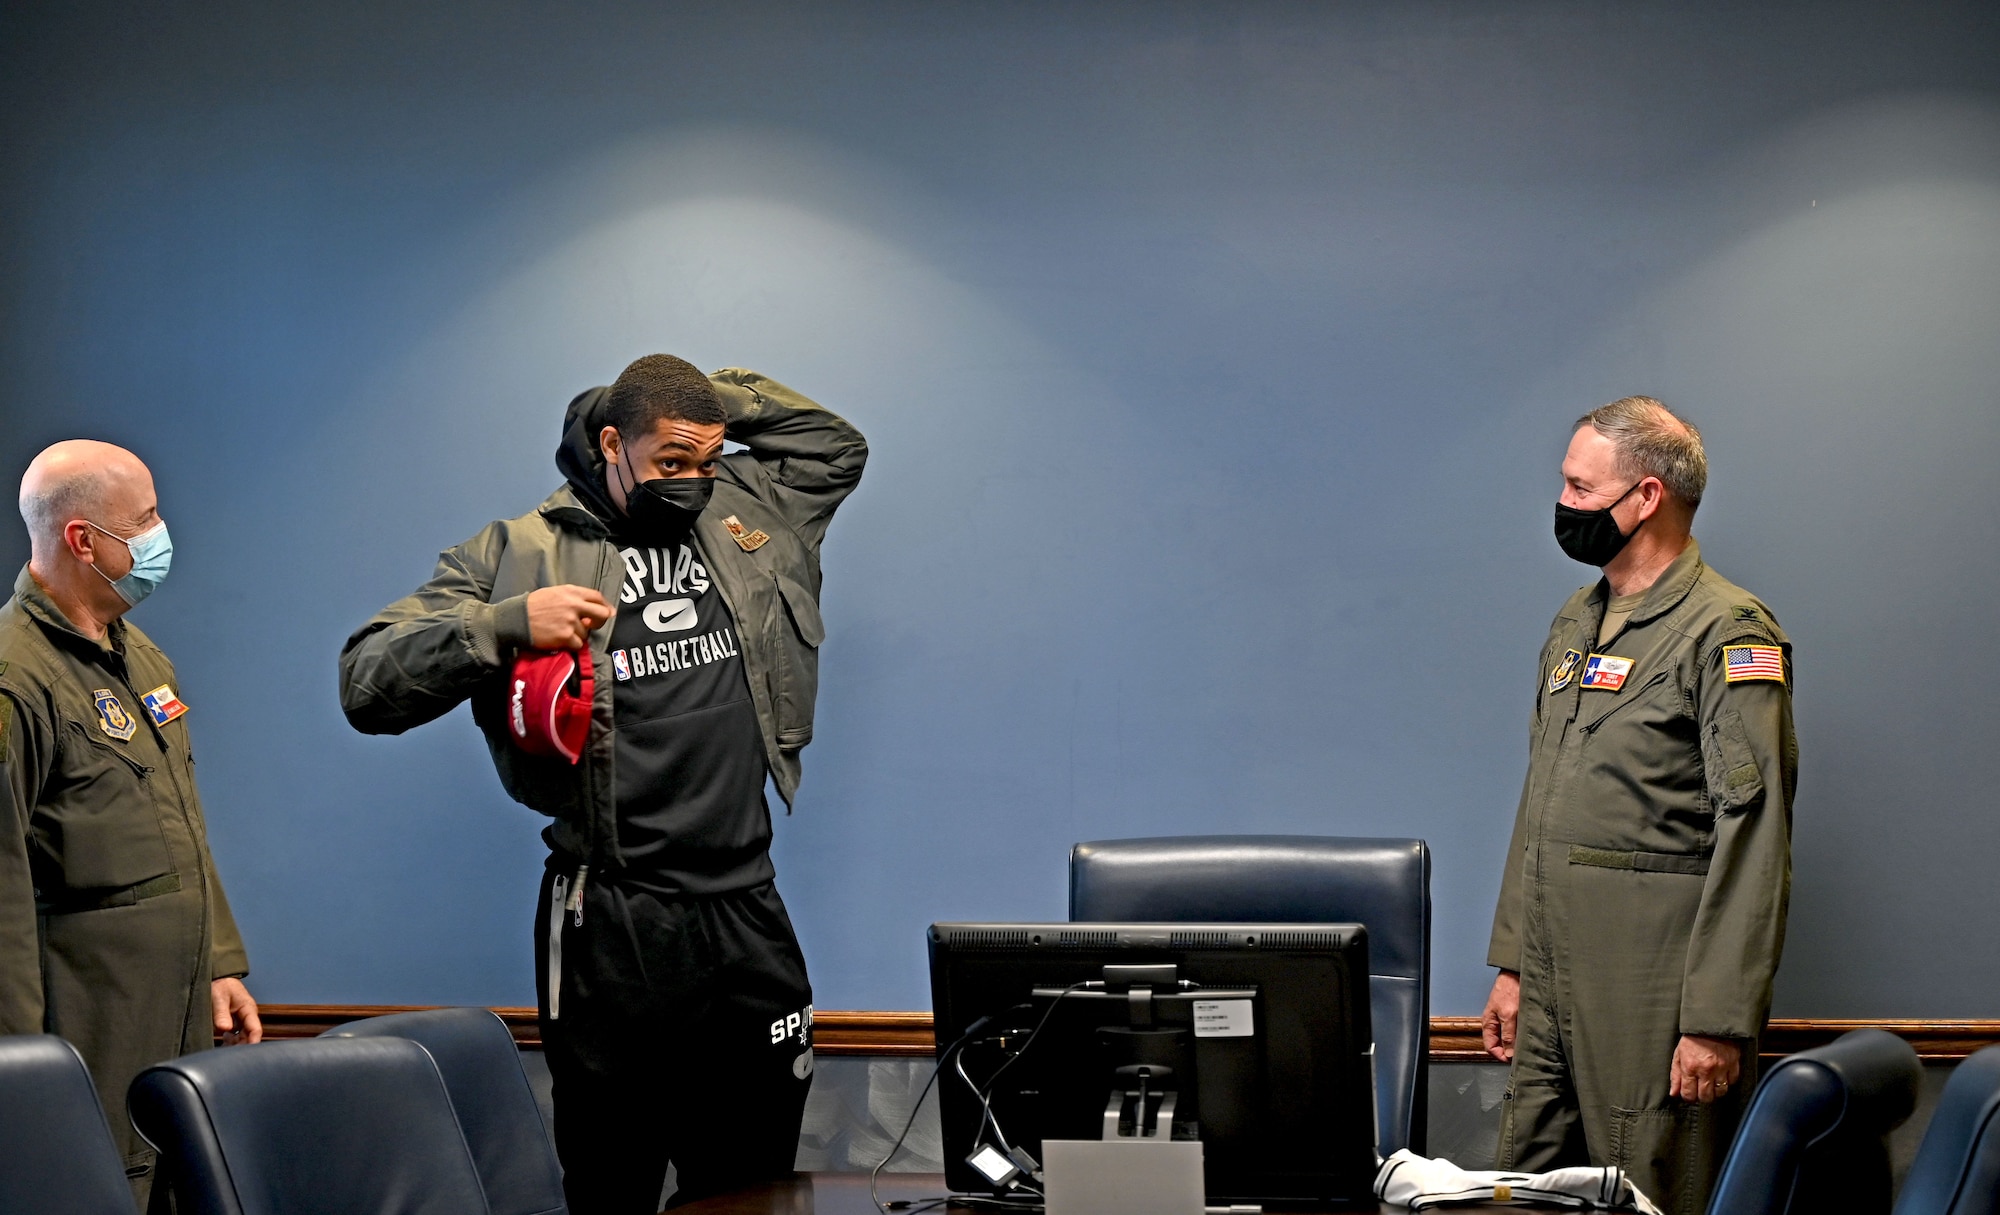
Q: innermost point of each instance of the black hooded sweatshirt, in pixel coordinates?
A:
(689, 758)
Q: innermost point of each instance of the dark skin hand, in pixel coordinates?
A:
(562, 617)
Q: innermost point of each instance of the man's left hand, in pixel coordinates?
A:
(1706, 1068)
(235, 1012)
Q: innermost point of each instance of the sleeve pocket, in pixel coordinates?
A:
(805, 611)
(1734, 779)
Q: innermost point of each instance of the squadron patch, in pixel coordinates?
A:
(1565, 670)
(1606, 671)
(746, 540)
(162, 705)
(1743, 663)
(112, 717)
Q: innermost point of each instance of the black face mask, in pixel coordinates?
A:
(664, 508)
(1592, 536)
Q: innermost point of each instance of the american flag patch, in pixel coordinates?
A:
(1741, 663)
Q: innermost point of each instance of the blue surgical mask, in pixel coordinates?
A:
(152, 556)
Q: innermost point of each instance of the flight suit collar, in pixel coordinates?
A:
(1663, 596)
(43, 610)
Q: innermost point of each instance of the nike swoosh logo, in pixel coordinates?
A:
(670, 615)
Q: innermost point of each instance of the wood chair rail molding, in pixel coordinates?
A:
(1453, 1039)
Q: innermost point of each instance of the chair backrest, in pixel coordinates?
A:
(1816, 1135)
(1957, 1169)
(57, 1156)
(482, 1072)
(1383, 884)
(320, 1127)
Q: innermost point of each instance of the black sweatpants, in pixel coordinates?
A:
(679, 1029)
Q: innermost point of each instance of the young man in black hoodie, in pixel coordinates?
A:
(675, 1009)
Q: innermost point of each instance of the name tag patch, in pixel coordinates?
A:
(1565, 670)
(112, 717)
(1606, 671)
(162, 705)
(1741, 663)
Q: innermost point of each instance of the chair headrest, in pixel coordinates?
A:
(1382, 883)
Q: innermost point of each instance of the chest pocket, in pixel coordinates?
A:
(98, 826)
(1657, 700)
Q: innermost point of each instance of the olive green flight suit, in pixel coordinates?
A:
(1645, 889)
(112, 921)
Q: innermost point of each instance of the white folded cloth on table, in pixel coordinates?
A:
(1412, 1181)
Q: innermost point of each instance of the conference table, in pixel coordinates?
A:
(847, 1194)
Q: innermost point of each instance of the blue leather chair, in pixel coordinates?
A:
(320, 1127)
(1816, 1135)
(482, 1072)
(1384, 884)
(1957, 1169)
(57, 1156)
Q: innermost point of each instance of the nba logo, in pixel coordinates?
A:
(619, 666)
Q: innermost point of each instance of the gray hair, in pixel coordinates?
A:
(1653, 441)
(60, 499)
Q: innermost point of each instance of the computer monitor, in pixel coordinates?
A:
(1253, 1038)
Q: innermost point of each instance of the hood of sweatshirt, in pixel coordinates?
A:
(577, 457)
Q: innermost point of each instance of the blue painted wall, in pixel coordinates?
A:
(1216, 358)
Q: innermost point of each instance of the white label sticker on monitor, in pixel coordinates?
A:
(1223, 1019)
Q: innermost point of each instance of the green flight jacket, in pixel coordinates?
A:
(112, 919)
(454, 638)
(1677, 771)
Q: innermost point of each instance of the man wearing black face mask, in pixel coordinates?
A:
(1642, 907)
(675, 1009)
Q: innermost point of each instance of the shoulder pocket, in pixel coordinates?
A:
(1734, 779)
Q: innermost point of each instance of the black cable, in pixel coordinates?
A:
(873, 1177)
(986, 1113)
(986, 1096)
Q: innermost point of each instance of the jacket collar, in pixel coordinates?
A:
(36, 603)
(565, 509)
(1667, 590)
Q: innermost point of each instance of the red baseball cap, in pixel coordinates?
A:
(548, 702)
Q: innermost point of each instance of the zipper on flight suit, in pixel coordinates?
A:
(1625, 698)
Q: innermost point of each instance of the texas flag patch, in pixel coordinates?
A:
(162, 705)
(1606, 671)
(1742, 663)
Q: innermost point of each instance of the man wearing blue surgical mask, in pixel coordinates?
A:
(98, 809)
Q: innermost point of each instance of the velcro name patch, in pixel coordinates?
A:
(1606, 672)
(162, 705)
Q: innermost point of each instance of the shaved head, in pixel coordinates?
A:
(82, 479)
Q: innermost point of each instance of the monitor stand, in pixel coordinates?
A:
(1122, 1176)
